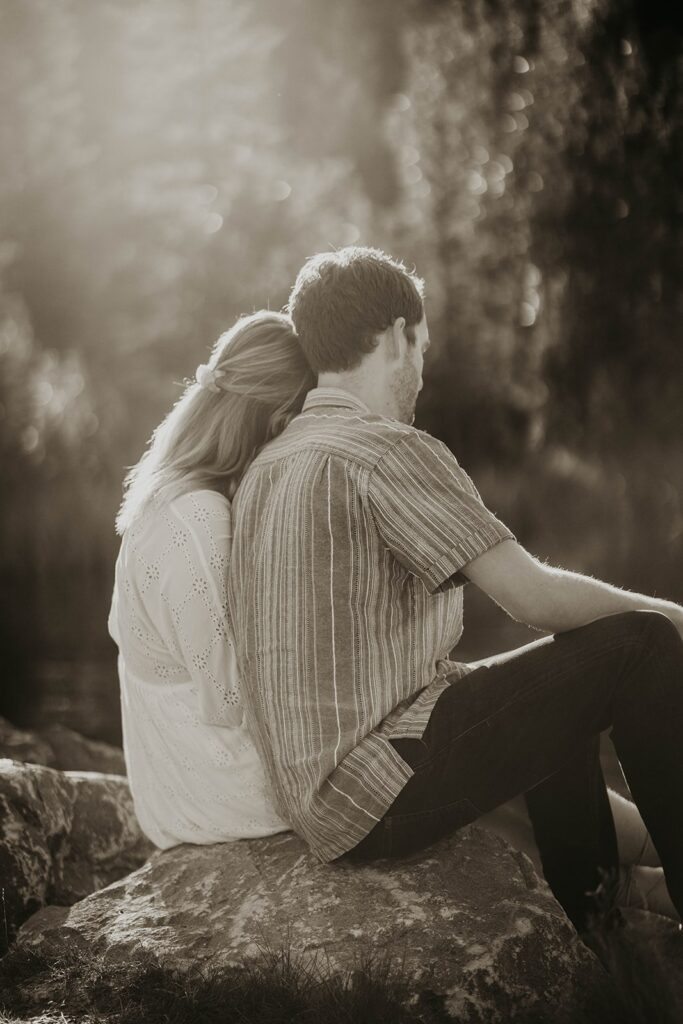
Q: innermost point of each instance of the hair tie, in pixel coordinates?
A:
(208, 378)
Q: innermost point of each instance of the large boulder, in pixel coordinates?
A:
(57, 746)
(62, 835)
(476, 930)
(24, 745)
(73, 752)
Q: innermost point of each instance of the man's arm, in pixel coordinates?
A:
(554, 599)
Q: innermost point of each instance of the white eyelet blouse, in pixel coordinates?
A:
(193, 770)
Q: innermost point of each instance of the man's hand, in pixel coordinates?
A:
(551, 599)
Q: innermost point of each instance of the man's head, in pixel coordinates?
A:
(359, 316)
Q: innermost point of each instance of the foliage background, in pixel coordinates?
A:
(165, 166)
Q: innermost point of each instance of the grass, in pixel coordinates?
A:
(278, 988)
(274, 988)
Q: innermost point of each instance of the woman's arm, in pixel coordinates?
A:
(193, 588)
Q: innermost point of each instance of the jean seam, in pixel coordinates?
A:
(527, 693)
(434, 810)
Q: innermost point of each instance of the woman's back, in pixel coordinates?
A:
(193, 770)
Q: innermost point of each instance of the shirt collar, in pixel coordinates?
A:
(334, 396)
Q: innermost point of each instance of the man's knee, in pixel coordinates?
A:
(647, 629)
(652, 628)
(657, 624)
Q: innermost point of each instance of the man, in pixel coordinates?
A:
(354, 537)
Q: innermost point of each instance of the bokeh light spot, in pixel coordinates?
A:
(527, 314)
(422, 189)
(44, 393)
(412, 175)
(476, 184)
(516, 101)
(281, 190)
(91, 425)
(213, 223)
(29, 439)
(350, 234)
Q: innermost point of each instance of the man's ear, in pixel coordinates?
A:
(396, 338)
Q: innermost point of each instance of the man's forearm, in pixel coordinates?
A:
(571, 600)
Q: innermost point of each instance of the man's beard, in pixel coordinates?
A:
(404, 390)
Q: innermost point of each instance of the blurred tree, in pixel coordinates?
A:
(478, 133)
(149, 195)
(617, 376)
(337, 67)
(166, 166)
(538, 146)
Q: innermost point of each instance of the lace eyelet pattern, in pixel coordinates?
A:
(194, 772)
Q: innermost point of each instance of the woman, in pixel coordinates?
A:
(193, 771)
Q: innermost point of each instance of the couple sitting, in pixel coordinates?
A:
(289, 592)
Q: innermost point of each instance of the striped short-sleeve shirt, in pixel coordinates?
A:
(345, 591)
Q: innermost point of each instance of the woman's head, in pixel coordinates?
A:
(256, 382)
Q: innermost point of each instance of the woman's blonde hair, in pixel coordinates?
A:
(210, 436)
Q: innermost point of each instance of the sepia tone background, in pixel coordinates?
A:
(166, 166)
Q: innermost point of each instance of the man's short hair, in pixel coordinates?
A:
(341, 300)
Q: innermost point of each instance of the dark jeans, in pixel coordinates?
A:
(529, 721)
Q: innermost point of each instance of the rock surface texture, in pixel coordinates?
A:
(62, 836)
(476, 930)
(59, 747)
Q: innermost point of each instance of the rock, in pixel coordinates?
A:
(59, 747)
(478, 933)
(22, 745)
(62, 836)
(73, 752)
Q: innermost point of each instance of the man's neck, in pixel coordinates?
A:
(364, 388)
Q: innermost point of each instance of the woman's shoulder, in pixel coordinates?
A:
(188, 515)
(200, 512)
(193, 503)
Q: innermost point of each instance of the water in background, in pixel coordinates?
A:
(59, 663)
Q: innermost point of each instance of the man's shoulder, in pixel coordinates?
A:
(354, 436)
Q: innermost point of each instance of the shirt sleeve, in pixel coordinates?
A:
(429, 513)
(193, 588)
